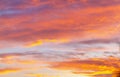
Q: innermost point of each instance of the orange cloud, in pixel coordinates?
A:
(95, 66)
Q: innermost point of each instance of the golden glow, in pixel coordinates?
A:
(40, 42)
(74, 75)
(103, 72)
(35, 75)
(7, 71)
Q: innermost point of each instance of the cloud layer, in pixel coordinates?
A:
(72, 37)
(36, 21)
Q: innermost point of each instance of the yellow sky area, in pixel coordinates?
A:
(9, 57)
(69, 74)
(41, 75)
(35, 75)
(76, 75)
(28, 62)
(36, 43)
(40, 42)
(61, 75)
(7, 71)
(102, 72)
(57, 73)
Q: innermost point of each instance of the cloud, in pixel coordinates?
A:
(67, 61)
(103, 75)
(9, 70)
(91, 66)
(17, 58)
(75, 35)
(67, 23)
(33, 57)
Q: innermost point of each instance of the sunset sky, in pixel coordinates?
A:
(59, 38)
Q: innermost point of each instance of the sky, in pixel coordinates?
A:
(59, 38)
